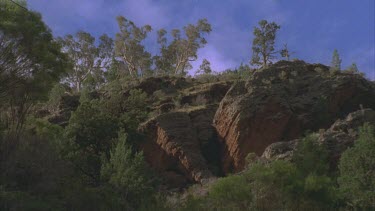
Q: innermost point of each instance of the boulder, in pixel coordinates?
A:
(280, 150)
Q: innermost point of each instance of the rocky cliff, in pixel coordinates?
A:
(201, 130)
(177, 142)
(281, 103)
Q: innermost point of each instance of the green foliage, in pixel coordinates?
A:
(243, 72)
(271, 184)
(357, 173)
(90, 128)
(353, 68)
(232, 192)
(88, 59)
(175, 57)
(44, 129)
(263, 43)
(205, 67)
(33, 174)
(31, 59)
(88, 136)
(135, 109)
(336, 62)
(310, 157)
(90, 165)
(128, 174)
(31, 63)
(129, 49)
(285, 53)
(55, 95)
(130, 109)
(303, 184)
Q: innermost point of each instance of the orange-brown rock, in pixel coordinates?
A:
(281, 102)
(174, 144)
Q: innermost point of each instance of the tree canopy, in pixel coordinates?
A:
(263, 43)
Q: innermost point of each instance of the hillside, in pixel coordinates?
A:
(132, 116)
(198, 130)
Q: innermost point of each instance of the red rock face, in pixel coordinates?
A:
(174, 149)
(277, 104)
(270, 108)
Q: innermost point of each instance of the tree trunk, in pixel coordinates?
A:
(264, 60)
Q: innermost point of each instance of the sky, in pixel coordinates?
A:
(311, 28)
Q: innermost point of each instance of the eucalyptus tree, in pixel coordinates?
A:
(175, 56)
(263, 43)
(88, 59)
(205, 67)
(129, 48)
(30, 62)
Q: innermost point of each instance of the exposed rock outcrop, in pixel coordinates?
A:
(210, 93)
(280, 103)
(175, 144)
(339, 137)
(280, 150)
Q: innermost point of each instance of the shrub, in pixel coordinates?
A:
(357, 172)
(32, 175)
(232, 192)
(88, 136)
(54, 97)
(135, 110)
(128, 174)
(311, 157)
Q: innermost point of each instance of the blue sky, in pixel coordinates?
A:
(311, 28)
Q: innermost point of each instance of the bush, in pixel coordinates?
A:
(88, 136)
(303, 184)
(232, 192)
(32, 175)
(54, 97)
(128, 174)
(357, 172)
(273, 184)
(311, 157)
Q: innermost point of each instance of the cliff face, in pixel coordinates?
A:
(176, 144)
(282, 102)
(275, 105)
(203, 130)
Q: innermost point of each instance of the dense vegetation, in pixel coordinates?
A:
(305, 183)
(92, 162)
